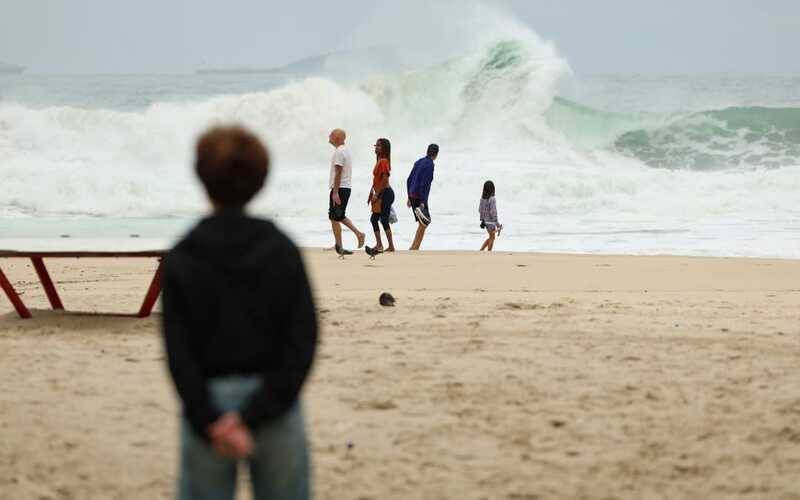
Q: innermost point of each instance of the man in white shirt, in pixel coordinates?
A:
(340, 184)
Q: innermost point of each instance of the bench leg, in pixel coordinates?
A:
(152, 293)
(14, 297)
(47, 283)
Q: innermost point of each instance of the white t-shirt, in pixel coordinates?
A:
(341, 156)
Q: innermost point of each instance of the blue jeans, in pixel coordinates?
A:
(279, 466)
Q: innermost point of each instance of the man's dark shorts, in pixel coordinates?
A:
(418, 206)
(337, 212)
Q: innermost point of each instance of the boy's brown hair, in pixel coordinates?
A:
(232, 164)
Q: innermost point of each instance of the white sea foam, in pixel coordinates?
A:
(569, 178)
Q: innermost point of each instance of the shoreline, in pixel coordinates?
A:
(563, 254)
(145, 243)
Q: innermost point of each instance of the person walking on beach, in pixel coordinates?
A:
(488, 213)
(240, 332)
(381, 196)
(340, 184)
(418, 186)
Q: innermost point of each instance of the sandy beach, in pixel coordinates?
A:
(496, 376)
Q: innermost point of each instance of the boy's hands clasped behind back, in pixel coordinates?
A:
(230, 437)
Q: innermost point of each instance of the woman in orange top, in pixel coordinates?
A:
(381, 196)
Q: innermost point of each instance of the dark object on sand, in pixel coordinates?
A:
(342, 251)
(386, 299)
(372, 252)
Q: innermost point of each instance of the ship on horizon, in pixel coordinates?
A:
(235, 70)
(376, 58)
(10, 69)
(309, 64)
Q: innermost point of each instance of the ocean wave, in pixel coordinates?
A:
(734, 137)
(496, 112)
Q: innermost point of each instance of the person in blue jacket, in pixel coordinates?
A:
(418, 186)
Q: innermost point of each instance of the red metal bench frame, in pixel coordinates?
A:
(37, 258)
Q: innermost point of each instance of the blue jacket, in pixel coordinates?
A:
(419, 180)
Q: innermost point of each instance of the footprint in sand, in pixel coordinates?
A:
(519, 306)
(376, 405)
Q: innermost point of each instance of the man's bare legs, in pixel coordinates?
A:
(361, 237)
(418, 237)
(337, 233)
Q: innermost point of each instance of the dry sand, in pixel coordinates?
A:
(497, 376)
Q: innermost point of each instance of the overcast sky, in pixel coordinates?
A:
(175, 36)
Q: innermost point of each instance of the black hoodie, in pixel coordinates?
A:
(236, 300)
